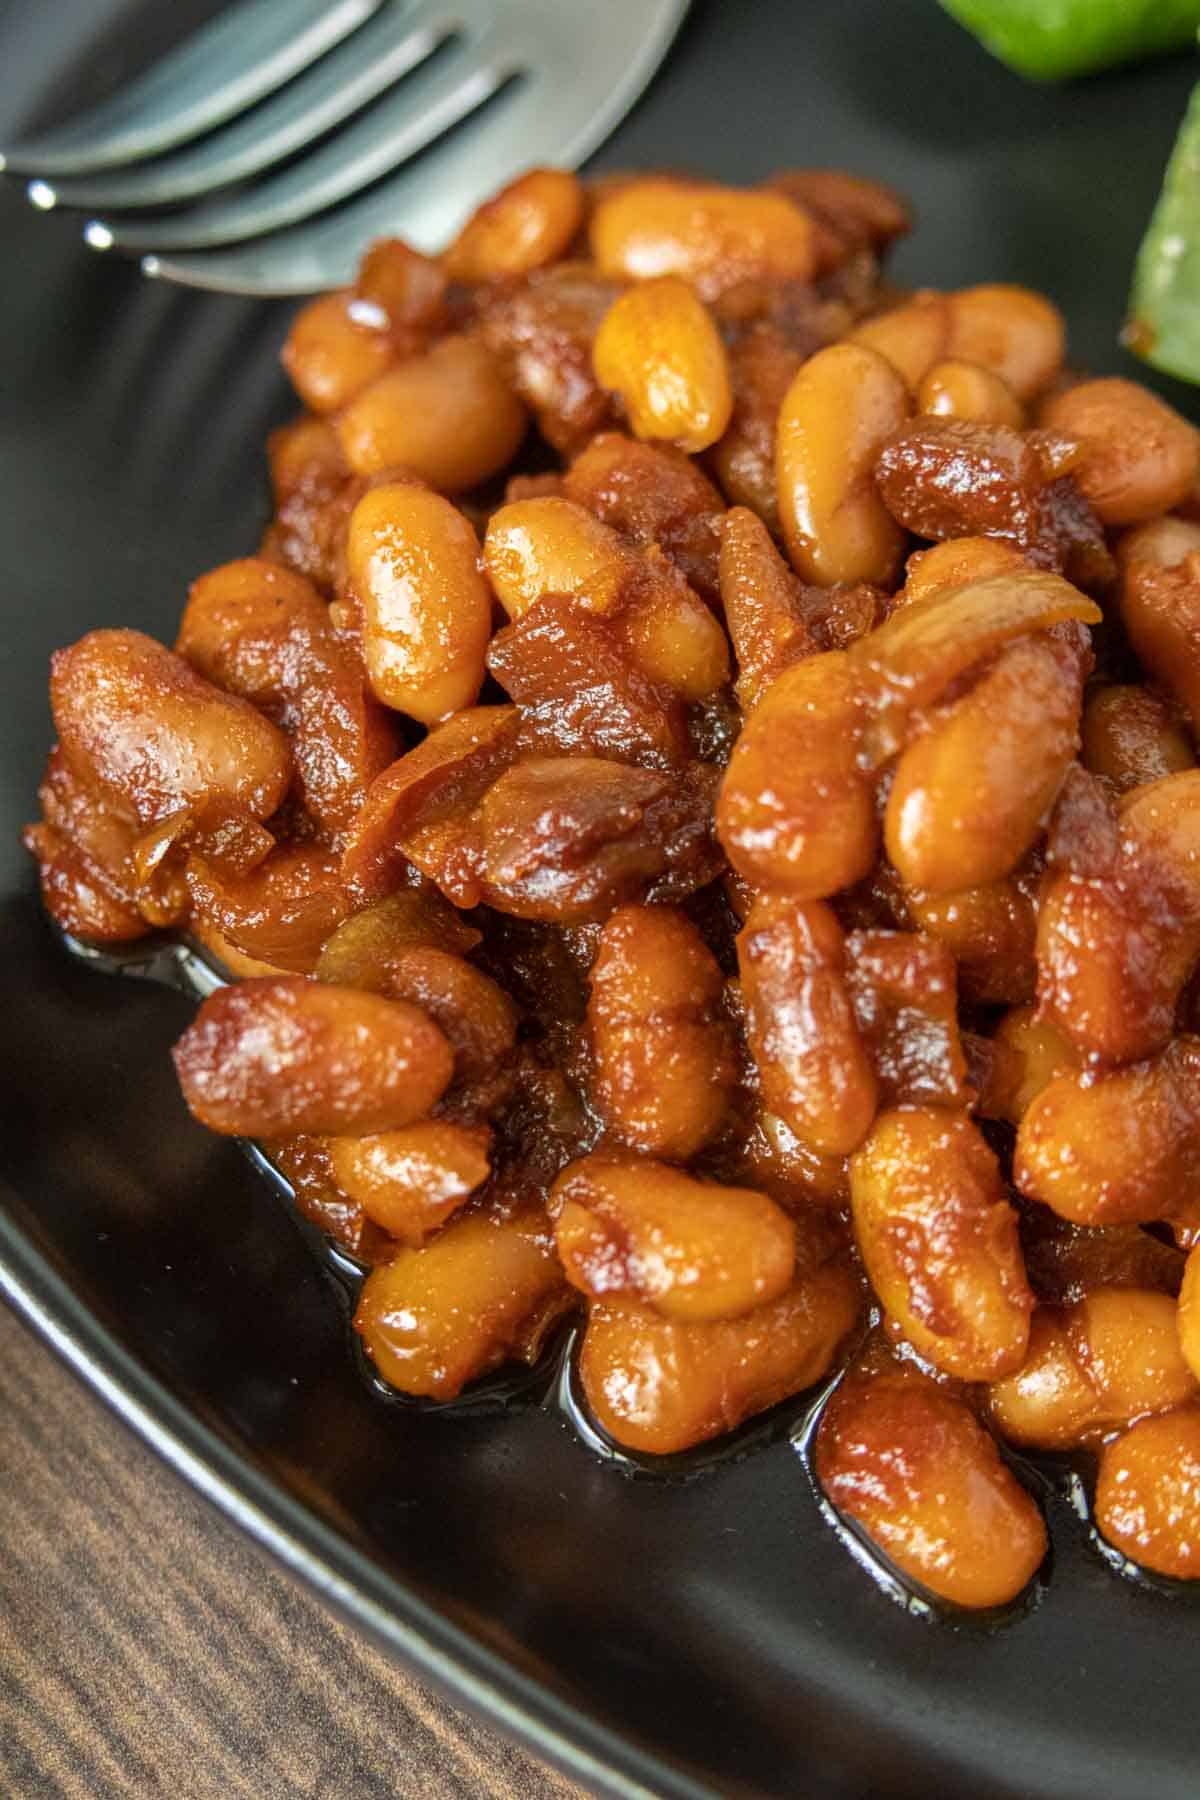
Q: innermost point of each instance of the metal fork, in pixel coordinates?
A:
(304, 128)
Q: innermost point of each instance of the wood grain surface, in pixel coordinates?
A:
(147, 1648)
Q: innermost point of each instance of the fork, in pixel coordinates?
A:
(299, 129)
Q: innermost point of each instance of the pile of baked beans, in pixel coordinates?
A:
(696, 795)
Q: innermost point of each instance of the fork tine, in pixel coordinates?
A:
(540, 122)
(246, 53)
(337, 86)
(421, 110)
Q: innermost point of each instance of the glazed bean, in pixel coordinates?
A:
(662, 1053)
(413, 561)
(795, 811)
(279, 912)
(660, 1385)
(912, 1467)
(953, 389)
(447, 416)
(473, 1012)
(554, 546)
(1160, 610)
(969, 795)
(1148, 1493)
(763, 604)
(1017, 335)
(991, 932)
(571, 838)
(1032, 1054)
(1139, 457)
(334, 350)
(791, 1171)
(1118, 1149)
(903, 993)
(955, 563)
(1100, 1363)
(1189, 1313)
(842, 405)
(659, 350)
(672, 636)
(714, 237)
(364, 950)
(265, 634)
(939, 1241)
(302, 452)
(138, 724)
(912, 337)
(481, 1292)
(691, 1250)
(410, 1181)
(652, 494)
(526, 225)
(950, 477)
(304, 1163)
(406, 288)
(441, 778)
(861, 214)
(815, 1071)
(1130, 737)
(271, 1058)
(85, 852)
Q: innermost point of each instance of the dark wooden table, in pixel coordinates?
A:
(147, 1648)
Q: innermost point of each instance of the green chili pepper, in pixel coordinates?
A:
(1164, 307)
(1049, 40)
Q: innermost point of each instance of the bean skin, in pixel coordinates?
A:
(447, 416)
(1148, 1493)
(527, 224)
(272, 1058)
(660, 351)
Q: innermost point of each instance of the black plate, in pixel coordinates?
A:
(703, 1637)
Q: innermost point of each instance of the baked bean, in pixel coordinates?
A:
(298, 452)
(334, 350)
(902, 990)
(714, 237)
(939, 1241)
(953, 389)
(554, 546)
(1017, 335)
(1139, 457)
(1148, 1493)
(1160, 610)
(406, 288)
(912, 337)
(969, 795)
(1166, 542)
(526, 225)
(659, 350)
(652, 494)
(659, 1385)
(910, 1465)
(265, 634)
(791, 1171)
(795, 811)
(571, 838)
(951, 477)
(955, 563)
(364, 950)
(1032, 1054)
(473, 1012)
(763, 604)
(1189, 1313)
(305, 1165)
(413, 561)
(1117, 1149)
(1130, 737)
(842, 405)
(991, 931)
(442, 777)
(662, 1053)
(138, 723)
(1105, 1360)
(85, 850)
(481, 1292)
(447, 415)
(672, 636)
(410, 1181)
(691, 1250)
(815, 1070)
(279, 912)
(271, 1058)
(861, 214)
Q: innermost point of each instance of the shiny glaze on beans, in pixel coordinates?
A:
(696, 798)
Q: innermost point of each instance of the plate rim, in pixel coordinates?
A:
(415, 1634)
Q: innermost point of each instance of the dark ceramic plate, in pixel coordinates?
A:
(687, 1638)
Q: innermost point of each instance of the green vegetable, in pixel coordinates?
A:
(1164, 307)
(1049, 40)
